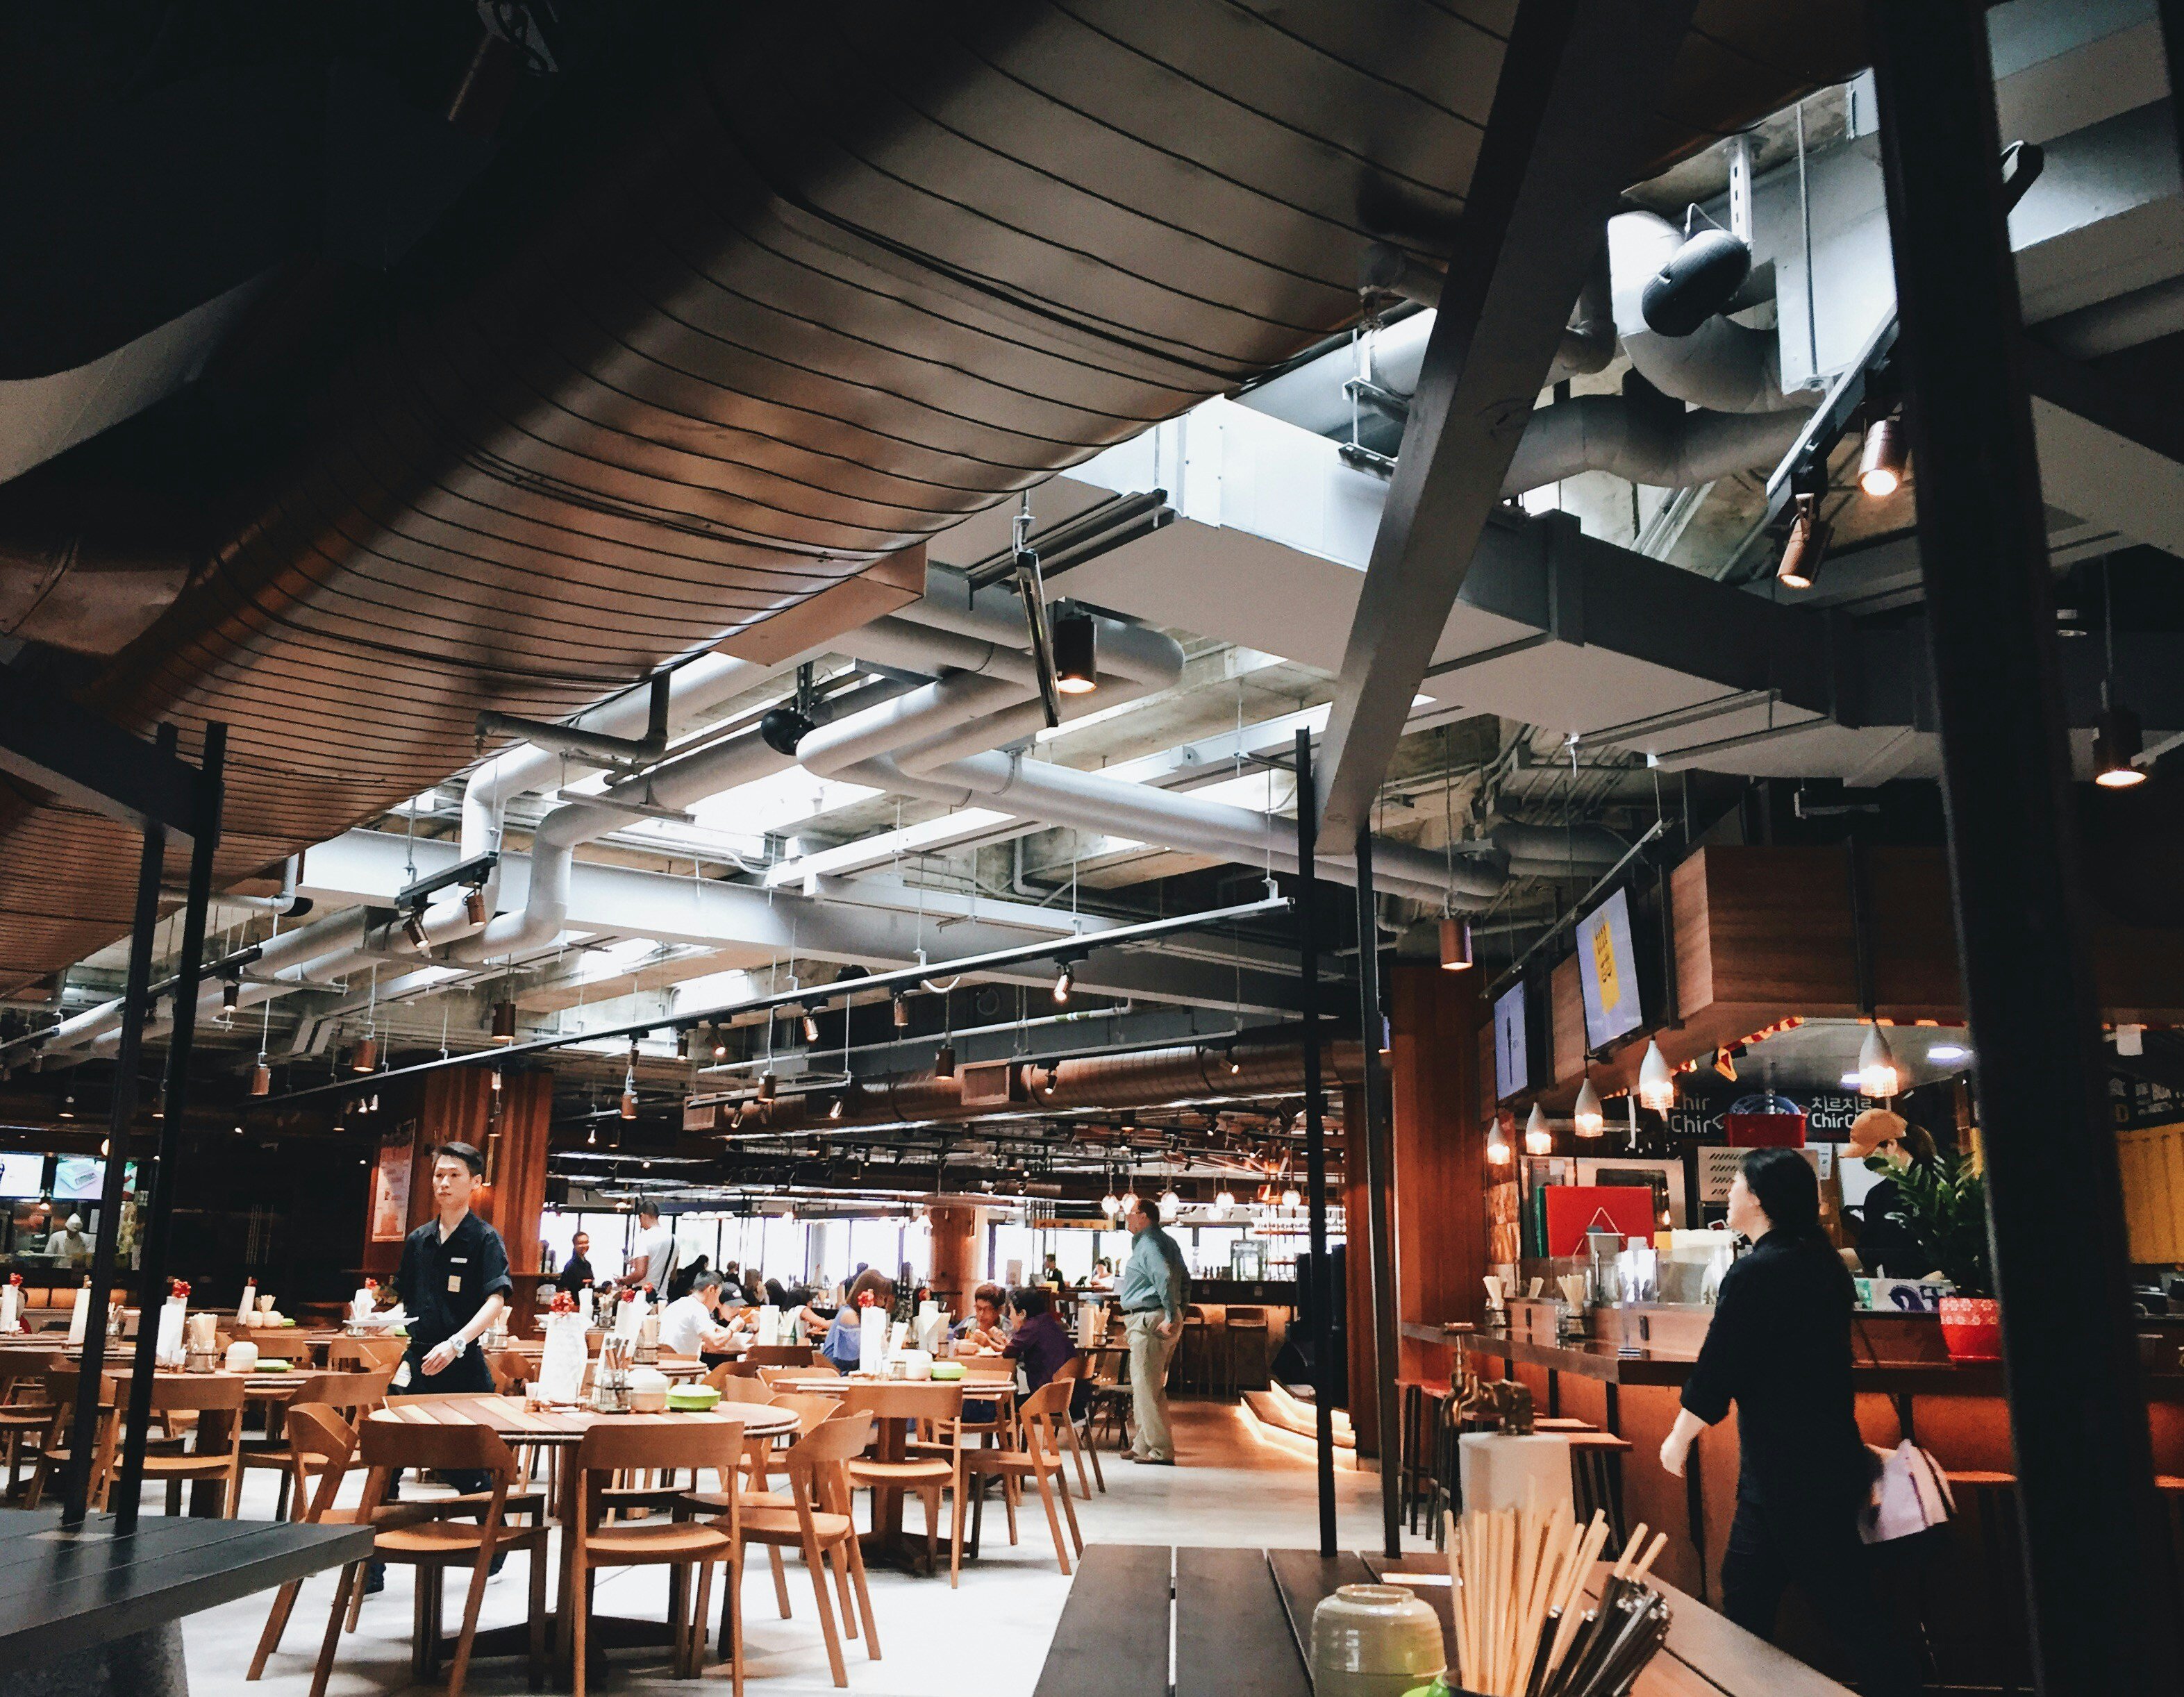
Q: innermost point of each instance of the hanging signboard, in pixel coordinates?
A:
(1513, 1069)
(390, 1184)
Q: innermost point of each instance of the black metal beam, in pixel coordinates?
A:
(135, 1004)
(1315, 1148)
(1371, 1136)
(1580, 82)
(48, 741)
(2099, 1570)
(157, 1238)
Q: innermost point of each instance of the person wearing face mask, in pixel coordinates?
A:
(1779, 1348)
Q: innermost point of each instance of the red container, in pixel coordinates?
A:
(1971, 1328)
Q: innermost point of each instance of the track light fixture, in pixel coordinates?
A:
(901, 1007)
(474, 904)
(1656, 1080)
(944, 1061)
(496, 1081)
(365, 1055)
(374, 1104)
(1807, 547)
(1076, 653)
(810, 1025)
(834, 1108)
(230, 993)
(504, 1022)
(1455, 944)
(767, 1084)
(629, 1096)
(2117, 744)
(1877, 1071)
(1880, 463)
(1591, 1120)
(68, 1108)
(1538, 1139)
(413, 927)
(1062, 981)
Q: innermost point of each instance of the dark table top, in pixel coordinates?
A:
(60, 1593)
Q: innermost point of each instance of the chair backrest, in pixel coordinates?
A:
(511, 1369)
(818, 1461)
(365, 1353)
(612, 1446)
(1051, 1401)
(810, 1408)
(735, 1390)
(194, 1393)
(1247, 1316)
(318, 1433)
(395, 1444)
(352, 1393)
(904, 1401)
(780, 1355)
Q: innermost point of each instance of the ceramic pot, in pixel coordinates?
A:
(1971, 1328)
(1374, 1641)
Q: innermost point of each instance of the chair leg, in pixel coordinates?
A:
(839, 1555)
(536, 1556)
(780, 1578)
(1053, 1520)
(864, 1599)
(472, 1602)
(1009, 1492)
(276, 1624)
(735, 1577)
(352, 1577)
(1069, 1509)
(955, 1538)
(1092, 1449)
(575, 1601)
(817, 1564)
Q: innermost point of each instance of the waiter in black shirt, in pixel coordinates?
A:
(1779, 1348)
(453, 1284)
(577, 1272)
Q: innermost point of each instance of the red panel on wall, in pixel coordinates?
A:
(1573, 1210)
(1764, 1131)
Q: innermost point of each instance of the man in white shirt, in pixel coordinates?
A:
(653, 1260)
(696, 1324)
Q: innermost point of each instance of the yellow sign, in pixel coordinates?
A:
(1603, 968)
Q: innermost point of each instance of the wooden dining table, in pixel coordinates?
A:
(986, 1375)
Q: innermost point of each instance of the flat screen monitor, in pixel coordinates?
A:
(79, 1178)
(1607, 967)
(22, 1176)
(1513, 1067)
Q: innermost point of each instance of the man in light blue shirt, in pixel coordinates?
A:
(1149, 1294)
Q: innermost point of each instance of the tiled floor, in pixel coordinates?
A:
(986, 1639)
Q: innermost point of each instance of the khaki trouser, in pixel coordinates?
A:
(1149, 1359)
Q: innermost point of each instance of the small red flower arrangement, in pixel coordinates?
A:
(15, 1278)
(372, 1285)
(178, 1287)
(564, 1302)
(628, 1296)
(864, 1299)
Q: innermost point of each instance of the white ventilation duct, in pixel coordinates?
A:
(1662, 448)
(1724, 366)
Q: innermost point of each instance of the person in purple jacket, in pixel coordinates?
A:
(1037, 1339)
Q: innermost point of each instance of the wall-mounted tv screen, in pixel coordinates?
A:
(1608, 968)
(1512, 1066)
(22, 1176)
(79, 1178)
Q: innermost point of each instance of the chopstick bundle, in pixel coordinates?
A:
(1518, 1581)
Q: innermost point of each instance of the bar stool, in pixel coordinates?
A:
(1596, 1477)
(1185, 1356)
(1996, 1493)
(1242, 1328)
(1422, 1412)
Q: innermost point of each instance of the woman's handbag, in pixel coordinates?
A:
(1910, 1495)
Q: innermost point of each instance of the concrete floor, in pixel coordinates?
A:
(988, 1637)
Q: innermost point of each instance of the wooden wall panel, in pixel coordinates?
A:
(1566, 1020)
(1363, 1402)
(1438, 1201)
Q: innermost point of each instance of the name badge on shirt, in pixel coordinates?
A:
(454, 1284)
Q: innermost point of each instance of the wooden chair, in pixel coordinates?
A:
(50, 1455)
(352, 1395)
(937, 1408)
(201, 1395)
(1038, 1458)
(1077, 1429)
(25, 1410)
(590, 1542)
(818, 1521)
(365, 1355)
(432, 1544)
(780, 1356)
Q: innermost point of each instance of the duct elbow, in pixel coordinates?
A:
(1722, 366)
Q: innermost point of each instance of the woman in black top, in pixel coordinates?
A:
(1779, 1348)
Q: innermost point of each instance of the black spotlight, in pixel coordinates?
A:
(782, 728)
(1076, 654)
(1699, 279)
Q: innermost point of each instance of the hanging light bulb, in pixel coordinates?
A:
(375, 1101)
(1130, 1203)
(1455, 944)
(504, 1022)
(1656, 1080)
(1224, 1202)
(944, 1061)
(810, 1025)
(1062, 981)
(261, 1076)
(720, 1043)
(1171, 1204)
(1111, 1204)
(1877, 1074)
(496, 1081)
(230, 993)
(1538, 1139)
(1592, 1121)
(365, 1055)
(1880, 465)
(592, 1137)
(1290, 1199)
(901, 1012)
(101, 1148)
(1498, 1152)
(2117, 744)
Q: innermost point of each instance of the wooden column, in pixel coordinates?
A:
(955, 1251)
(1440, 1177)
(1364, 1402)
(511, 1126)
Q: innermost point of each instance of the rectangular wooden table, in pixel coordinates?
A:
(1242, 1621)
(59, 1594)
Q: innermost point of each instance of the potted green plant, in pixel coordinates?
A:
(1942, 1201)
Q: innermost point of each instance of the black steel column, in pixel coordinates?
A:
(1315, 1141)
(159, 1214)
(1372, 1138)
(84, 1429)
(2098, 1569)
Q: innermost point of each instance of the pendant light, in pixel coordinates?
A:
(261, 1076)
(1591, 1120)
(365, 1055)
(901, 1012)
(1111, 1204)
(1224, 1202)
(1292, 1200)
(2117, 740)
(1076, 658)
(1130, 1203)
(1455, 944)
(1171, 1204)
(1498, 1152)
(504, 1022)
(1538, 1139)
(944, 1061)
(1877, 1073)
(1656, 1080)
